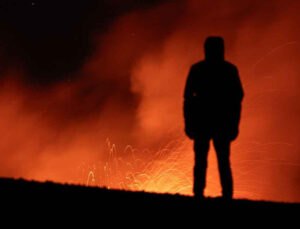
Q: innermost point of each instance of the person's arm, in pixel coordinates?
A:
(238, 86)
(238, 95)
(189, 90)
(188, 104)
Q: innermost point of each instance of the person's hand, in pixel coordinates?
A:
(234, 134)
(190, 133)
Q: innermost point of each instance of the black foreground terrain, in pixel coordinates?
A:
(54, 200)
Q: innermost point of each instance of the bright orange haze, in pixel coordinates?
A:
(156, 47)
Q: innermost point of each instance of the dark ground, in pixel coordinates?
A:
(57, 200)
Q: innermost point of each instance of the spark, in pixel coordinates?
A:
(273, 51)
(169, 170)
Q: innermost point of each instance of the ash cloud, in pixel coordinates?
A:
(63, 91)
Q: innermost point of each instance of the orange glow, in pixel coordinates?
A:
(60, 133)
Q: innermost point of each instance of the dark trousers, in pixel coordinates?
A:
(222, 147)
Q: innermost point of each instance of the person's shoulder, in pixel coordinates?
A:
(230, 65)
(198, 65)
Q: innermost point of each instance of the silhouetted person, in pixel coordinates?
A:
(212, 107)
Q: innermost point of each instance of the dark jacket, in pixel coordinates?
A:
(212, 100)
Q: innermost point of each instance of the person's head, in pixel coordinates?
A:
(214, 49)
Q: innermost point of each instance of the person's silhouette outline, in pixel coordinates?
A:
(212, 107)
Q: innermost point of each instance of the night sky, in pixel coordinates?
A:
(52, 38)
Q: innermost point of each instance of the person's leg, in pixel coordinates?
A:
(222, 147)
(201, 147)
